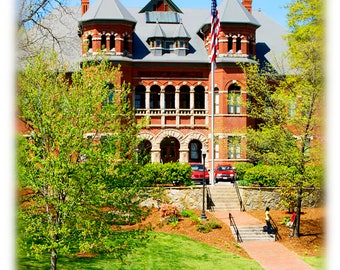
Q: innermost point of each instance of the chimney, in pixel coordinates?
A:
(248, 4)
(85, 4)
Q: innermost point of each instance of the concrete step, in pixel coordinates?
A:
(223, 197)
(253, 233)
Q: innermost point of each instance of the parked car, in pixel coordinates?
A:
(198, 173)
(225, 172)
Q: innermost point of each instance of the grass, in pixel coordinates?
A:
(317, 262)
(163, 252)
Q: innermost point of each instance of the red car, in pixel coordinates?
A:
(225, 172)
(198, 173)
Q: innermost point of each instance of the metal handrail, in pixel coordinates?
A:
(233, 224)
(242, 208)
(275, 228)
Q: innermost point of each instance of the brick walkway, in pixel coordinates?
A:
(270, 255)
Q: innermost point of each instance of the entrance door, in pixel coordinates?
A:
(169, 150)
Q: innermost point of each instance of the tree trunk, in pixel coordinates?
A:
(53, 259)
(296, 232)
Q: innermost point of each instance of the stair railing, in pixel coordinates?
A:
(242, 208)
(275, 228)
(233, 224)
(210, 203)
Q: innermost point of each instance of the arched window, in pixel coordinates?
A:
(140, 97)
(169, 97)
(103, 43)
(216, 101)
(89, 43)
(112, 43)
(126, 44)
(238, 44)
(230, 44)
(234, 99)
(155, 97)
(199, 101)
(195, 147)
(184, 98)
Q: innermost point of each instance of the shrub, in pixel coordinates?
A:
(170, 213)
(269, 176)
(187, 213)
(241, 169)
(175, 173)
(206, 227)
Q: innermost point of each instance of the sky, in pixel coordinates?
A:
(272, 8)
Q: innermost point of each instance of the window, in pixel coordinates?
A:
(169, 97)
(140, 97)
(234, 147)
(89, 40)
(154, 97)
(307, 148)
(238, 44)
(217, 101)
(291, 108)
(184, 98)
(103, 43)
(158, 44)
(234, 99)
(195, 147)
(126, 44)
(112, 42)
(230, 44)
(110, 95)
(199, 97)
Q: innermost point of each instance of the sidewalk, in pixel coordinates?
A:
(271, 255)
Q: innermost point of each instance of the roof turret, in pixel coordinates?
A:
(107, 10)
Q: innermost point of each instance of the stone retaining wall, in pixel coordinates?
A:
(261, 197)
(253, 198)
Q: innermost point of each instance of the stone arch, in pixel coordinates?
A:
(170, 133)
(196, 136)
(149, 137)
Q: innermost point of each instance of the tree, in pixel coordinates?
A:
(290, 108)
(36, 28)
(82, 129)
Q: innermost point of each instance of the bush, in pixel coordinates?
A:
(187, 213)
(241, 169)
(170, 214)
(208, 226)
(269, 176)
(169, 173)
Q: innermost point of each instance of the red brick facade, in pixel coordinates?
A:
(177, 97)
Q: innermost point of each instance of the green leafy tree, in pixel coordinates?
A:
(290, 109)
(82, 128)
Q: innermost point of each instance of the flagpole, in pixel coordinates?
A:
(212, 173)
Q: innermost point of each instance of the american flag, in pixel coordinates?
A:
(215, 31)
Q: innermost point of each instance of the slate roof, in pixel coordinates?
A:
(270, 43)
(107, 10)
(232, 11)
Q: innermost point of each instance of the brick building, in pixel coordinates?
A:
(164, 55)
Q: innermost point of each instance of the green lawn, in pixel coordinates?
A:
(318, 263)
(164, 252)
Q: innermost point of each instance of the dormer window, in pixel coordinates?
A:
(158, 43)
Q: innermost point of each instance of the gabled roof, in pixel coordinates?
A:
(157, 32)
(107, 10)
(150, 6)
(181, 32)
